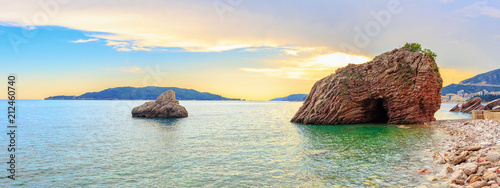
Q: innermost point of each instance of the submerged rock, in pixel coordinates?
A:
(397, 87)
(164, 106)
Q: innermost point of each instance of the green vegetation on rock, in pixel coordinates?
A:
(416, 47)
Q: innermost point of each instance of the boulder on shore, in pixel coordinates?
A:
(475, 104)
(396, 87)
(164, 106)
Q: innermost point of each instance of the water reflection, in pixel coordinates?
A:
(156, 121)
(351, 154)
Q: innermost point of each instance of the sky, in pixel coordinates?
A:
(254, 50)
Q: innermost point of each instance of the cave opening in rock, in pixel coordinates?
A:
(380, 112)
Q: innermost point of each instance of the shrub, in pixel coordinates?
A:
(430, 53)
(416, 47)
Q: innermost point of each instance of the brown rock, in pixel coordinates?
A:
(424, 171)
(432, 178)
(438, 158)
(399, 87)
(491, 105)
(473, 104)
(472, 148)
(480, 171)
(458, 175)
(493, 157)
(469, 168)
(164, 106)
(473, 179)
(479, 184)
(460, 158)
(447, 168)
(487, 176)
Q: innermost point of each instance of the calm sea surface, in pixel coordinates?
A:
(220, 144)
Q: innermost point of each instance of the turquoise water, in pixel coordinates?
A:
(220, 144)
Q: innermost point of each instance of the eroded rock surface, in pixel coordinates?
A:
(395, 87)
(164, 106)
(475, 104)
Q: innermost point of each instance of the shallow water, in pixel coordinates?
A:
(220, 144)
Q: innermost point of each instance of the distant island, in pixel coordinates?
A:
(293, 97)
(485, 85)
(141, 93)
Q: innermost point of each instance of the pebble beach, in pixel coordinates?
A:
(468, 154)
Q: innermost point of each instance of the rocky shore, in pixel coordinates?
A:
(468, 155)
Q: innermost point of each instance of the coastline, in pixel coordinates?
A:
(467, 154)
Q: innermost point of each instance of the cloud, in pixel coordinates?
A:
(480, 8)
(127, 46)
(83, 41)
(288, 25)
(129, 69)
(312, 68)
(190, 25)
(132, 69)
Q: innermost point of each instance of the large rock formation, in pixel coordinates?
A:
(475, 104)
(164, 106)
(395, 87)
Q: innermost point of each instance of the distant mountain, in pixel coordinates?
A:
(277, 99)
(141, 93)
(293, 97)
(489, 81)
(488, 78)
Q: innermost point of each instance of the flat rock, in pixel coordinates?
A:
(472, 148)
(432, 178)
(164, 106)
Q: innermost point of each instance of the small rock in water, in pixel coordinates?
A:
(438, 158)
(424, 171)
(443, 176)
(403, 127)
(368, 183)
(399, 167)
(319, 152)
(447, 168)
(164, 106)
(432, 178)
(372, 177)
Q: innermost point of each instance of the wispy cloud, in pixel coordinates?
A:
(129, 69)
(311, 68)
(127, 46)
(480, 8)
(84, 41)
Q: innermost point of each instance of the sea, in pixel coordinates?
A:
(93, 143)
